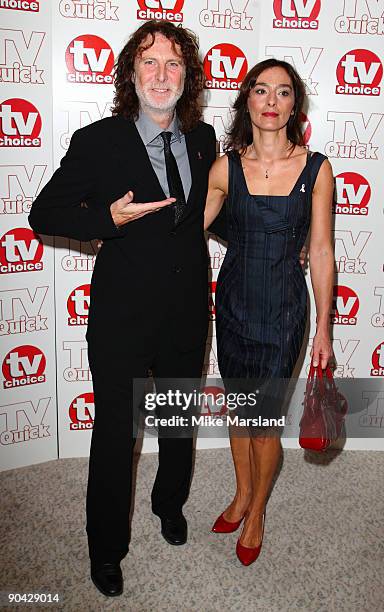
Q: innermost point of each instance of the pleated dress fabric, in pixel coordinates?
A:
(261, 293)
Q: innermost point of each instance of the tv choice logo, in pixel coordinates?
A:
(361, 17)
(352, 194)
(18, 57)
(377, 319)
(378, 360)
(102, 10)
(18, 187)
(21, 311)
(21, 250)
(349, 249)
(78, 305)
(22, 366)
(345, 306)
(225, 67)
(170, 10)
(20, 124)
(21, 5)
(212, 300)
(221, 14)
(305, 62)
(296, 14)
(353, 135)
(359, 72)
(89, 59)
(82, 412)
(306, 127)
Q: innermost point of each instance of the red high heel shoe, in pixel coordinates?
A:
(249, 555)
(221, 525)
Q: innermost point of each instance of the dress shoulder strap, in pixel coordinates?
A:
(315, 159)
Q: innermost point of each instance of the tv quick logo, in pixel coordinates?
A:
(343, 351)
(82, 412)
(21, 250)
(296, 14)
(361, 17)
(225, 67)
(211, 300)
(345, 306)
(228, 14)
(377, 319)
(349, 248)
(23, 365)
(353, 135)
(20, 5)
(78, 305)
(80, 114)
(78, 370)
(20, 311)
(18, 187)
(378, 360)
(18, 57)
(89, 60)
(359, 72)
(102, 10)
(20, 124)
(305, 61)
(23, 421)
(219, 117)
(170, 10)
(373, 411)
(352, 194)
(80, 255)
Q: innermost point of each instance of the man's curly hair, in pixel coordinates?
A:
(126, 102)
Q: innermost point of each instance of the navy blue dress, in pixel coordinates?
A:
(261, 293)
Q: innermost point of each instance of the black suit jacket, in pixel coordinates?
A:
(148, 273)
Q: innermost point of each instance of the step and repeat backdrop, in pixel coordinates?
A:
(56, 74)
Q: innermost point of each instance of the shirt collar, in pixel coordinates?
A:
(149, 130)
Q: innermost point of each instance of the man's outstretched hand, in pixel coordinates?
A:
(125, 210)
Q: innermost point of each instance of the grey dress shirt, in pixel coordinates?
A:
(150, 135)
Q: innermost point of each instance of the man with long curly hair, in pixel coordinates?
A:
(138, 181)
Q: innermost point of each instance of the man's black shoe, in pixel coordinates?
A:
(108, 578)
(174, 530)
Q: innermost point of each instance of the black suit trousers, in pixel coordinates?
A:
(114, 369)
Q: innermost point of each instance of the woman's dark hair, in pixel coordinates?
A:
(239, 134)
(126, 102)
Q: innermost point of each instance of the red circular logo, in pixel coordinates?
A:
(378, 360)
(306, 127)
(214, 404)
(225, 67)
(211, 300)
(82, 411)
(21, 250)
(20, 123)
(345, 302)
(89, 59)
(23, 365)
(359, 72)
(78, 303)
(352, 194)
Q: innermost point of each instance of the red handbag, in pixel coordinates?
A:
(324, 411)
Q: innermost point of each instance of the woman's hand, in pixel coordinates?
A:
(321, 351)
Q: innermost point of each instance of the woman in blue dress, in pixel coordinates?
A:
(275, 189)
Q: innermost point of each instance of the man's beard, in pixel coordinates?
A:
(147, 101)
